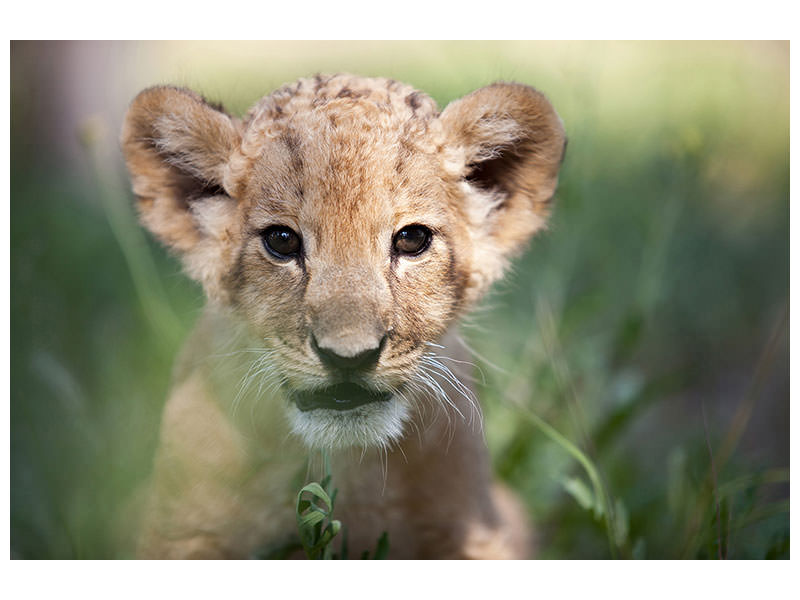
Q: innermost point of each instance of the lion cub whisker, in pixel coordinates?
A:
(434, 361)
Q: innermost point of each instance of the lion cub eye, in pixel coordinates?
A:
(412, 240)
(281, 241)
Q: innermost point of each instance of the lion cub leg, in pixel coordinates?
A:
(509, 538)
(209, 498)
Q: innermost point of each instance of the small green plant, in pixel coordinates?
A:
(315, 522)
(316, 526)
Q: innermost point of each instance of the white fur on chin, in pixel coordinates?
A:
(375, 424)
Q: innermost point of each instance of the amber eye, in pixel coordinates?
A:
(412, 240)
(281, 242)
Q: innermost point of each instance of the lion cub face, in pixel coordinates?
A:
(348, 223)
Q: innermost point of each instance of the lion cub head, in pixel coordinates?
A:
(347, 222)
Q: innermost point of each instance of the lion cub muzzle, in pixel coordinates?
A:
(342, 396)
(347, 394)
(336, 361)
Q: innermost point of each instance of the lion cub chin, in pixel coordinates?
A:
(339, 230)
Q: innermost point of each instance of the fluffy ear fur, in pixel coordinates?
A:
(177, 147)
(507, 143)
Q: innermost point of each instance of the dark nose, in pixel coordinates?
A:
(361, 361)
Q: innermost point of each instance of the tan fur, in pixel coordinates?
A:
(346, 162)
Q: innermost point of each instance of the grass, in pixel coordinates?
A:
(658, 297)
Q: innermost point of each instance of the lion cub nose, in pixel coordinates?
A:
(362, 361)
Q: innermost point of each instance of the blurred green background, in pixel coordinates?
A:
(645, 333)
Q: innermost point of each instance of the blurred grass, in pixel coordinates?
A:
(660, 291)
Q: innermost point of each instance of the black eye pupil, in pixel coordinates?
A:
(413, 239)
(281, 241)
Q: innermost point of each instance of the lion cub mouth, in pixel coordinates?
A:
(342, 396)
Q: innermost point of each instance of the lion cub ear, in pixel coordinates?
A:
(177, 147)
(507, 143)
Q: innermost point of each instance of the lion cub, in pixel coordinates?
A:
(339, 230)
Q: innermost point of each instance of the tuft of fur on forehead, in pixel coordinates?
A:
(345, 94)
(330, 105)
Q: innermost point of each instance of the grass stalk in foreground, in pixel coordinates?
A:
(129, 235)
(601, 505)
